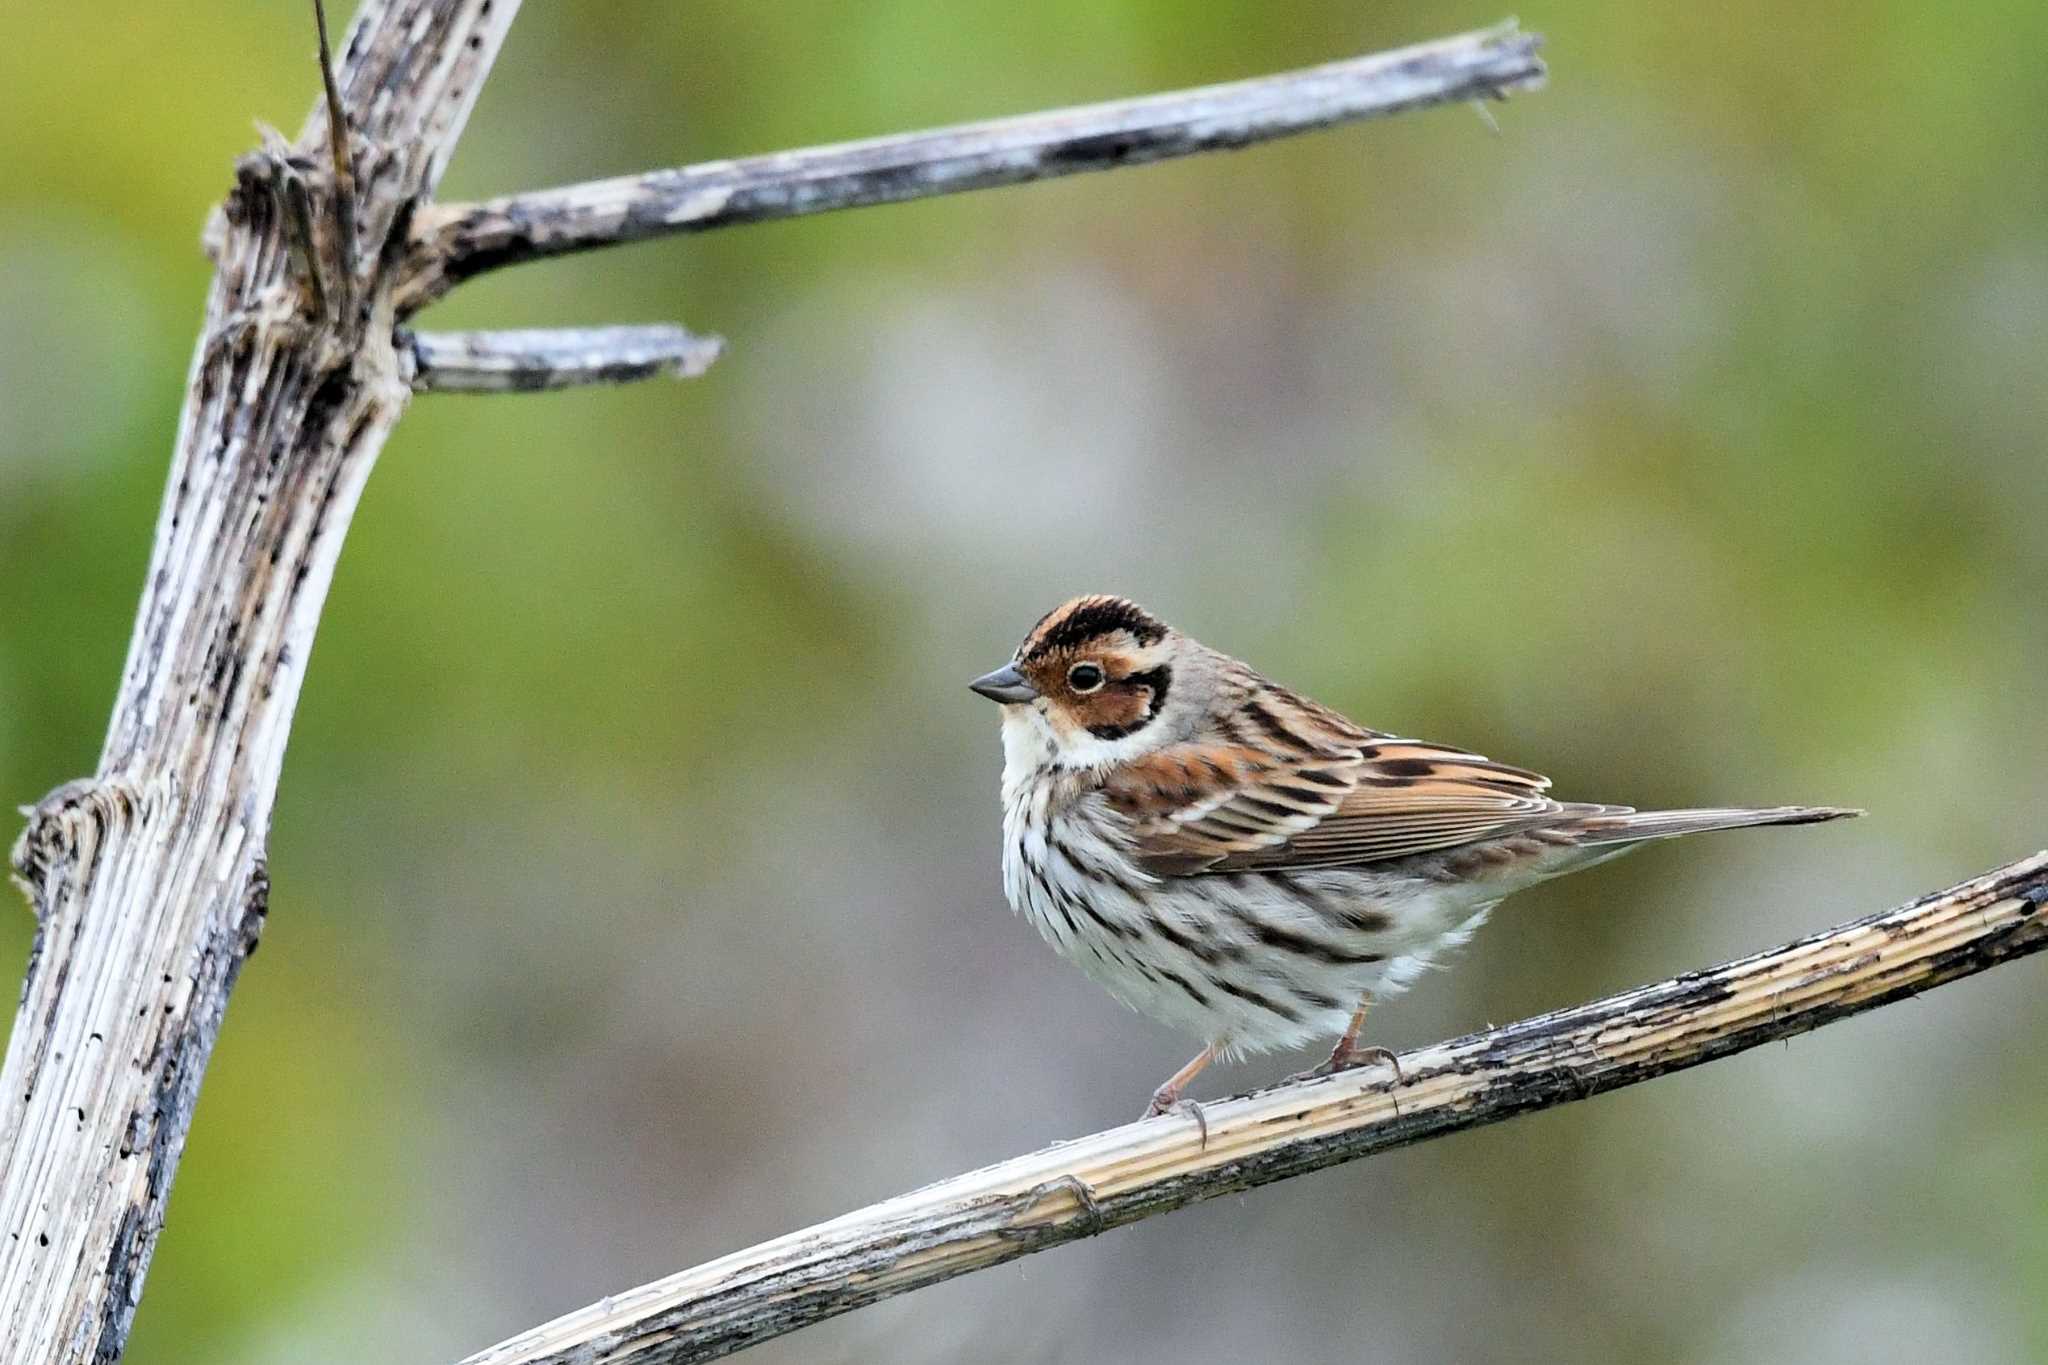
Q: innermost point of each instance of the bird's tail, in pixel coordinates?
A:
(1619, 825)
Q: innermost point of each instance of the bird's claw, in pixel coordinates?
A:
(1164, 1103)
(1089, 1218)
(1350, 1059)
(1084, 1195)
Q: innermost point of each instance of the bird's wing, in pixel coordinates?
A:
(1328, 801)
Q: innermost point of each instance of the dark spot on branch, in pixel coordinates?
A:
(468, 258)
(1100, 151)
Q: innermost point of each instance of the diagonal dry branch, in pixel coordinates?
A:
(1077, 1189)
(453, 242)
(148, 879)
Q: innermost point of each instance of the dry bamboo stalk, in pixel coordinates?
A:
(1080, 1188)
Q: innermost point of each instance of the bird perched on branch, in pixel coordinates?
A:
(1244, 864)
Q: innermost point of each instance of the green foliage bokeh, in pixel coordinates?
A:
(1684, 440)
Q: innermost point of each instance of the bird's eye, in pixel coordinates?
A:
(1084, 677)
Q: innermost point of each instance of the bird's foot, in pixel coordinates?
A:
(1167, 1100)
(1349, 1057)
(1088, 1220)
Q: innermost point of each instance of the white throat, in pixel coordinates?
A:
(1031, 745)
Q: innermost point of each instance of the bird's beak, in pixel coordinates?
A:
(1006, 684)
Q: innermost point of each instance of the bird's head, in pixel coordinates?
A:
(1099, 676)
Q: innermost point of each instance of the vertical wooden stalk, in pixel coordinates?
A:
(148, 879)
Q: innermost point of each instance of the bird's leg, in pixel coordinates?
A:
(1168, 1095)
(1348, 1054)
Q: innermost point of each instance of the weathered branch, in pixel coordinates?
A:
(556, 358)
(148, 879)
(453, 242)
(1077, 1189)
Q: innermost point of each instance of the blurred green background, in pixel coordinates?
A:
(635, 867)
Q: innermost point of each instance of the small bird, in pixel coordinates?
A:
(1245, 864)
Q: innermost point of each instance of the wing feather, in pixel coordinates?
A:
(1297, 787)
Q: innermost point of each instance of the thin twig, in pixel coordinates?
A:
(456, 241)
(1077, 1189)
(556, 358)
(295, 206)
(344, 173)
